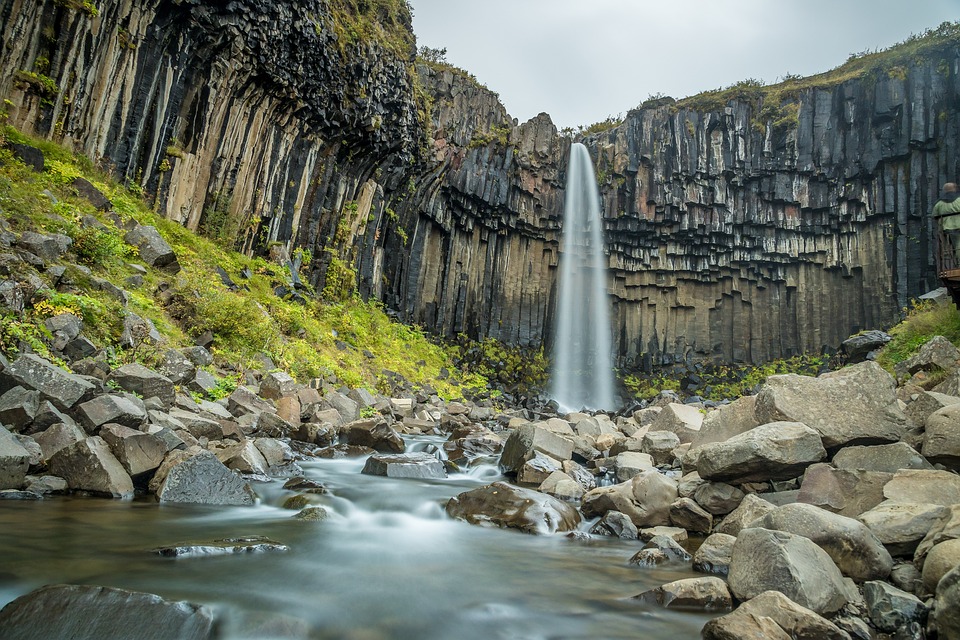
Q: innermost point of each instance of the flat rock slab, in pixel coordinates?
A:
(223, 547)
(418, 465)
(93, 613)
(59, 386)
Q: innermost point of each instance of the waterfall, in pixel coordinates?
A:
(582, 371)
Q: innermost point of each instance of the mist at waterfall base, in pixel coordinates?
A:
(386, 563)
(582, 365)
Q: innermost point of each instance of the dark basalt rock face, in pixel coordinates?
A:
(733, 234)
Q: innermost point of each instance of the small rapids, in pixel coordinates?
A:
(387, 562)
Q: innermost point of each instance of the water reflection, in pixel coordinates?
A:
(387, 563)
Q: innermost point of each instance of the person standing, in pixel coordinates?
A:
(947, 214)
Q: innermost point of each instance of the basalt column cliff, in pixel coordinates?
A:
(746, 225)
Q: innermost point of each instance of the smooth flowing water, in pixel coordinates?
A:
(387, 563)
(582, 373)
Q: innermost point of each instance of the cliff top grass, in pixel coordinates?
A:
(389, 22)
(892, 62)
(922, 322)
(347, 338)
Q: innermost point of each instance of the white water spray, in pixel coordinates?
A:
(582, 375)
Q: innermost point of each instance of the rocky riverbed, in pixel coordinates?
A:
(821, 507)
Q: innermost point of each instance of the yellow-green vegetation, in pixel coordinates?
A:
(922, 321)
(388, 22)
(610, 122)
(35, 82)
(518, 369)
(777, 102)
(727, 382)
(497, 134)
(86, 6)
(321, 337)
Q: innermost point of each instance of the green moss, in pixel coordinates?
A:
(497, 135)
(86, 6)
(921, 322)
(34, 82)
(386, 22)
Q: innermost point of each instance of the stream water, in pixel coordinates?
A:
(387, 563)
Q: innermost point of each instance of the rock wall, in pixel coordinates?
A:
(733, 235)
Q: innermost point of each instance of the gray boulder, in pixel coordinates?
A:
(923, 485)
(947, 606)
(145, 382)
(374, 433)
(347, 407)
(687, 514)
(774, 451)
(203, 479)
(153, 249)
(418, 465)
(727, 421)
(939, 561)
(529, 439)
(713, 555)
(718, 498)
(537, 469)
(682, 419)
(109, 408)
(630, 463)
(900, 526)
(798, 622)
(891, 609)
(938, 354)
(503, 505)
(177, 367)
(852, 546)
(277, 384)
(93, 613)
(562, 486)
(14, 461)
(888, 458)
(89, 465)
(138, 452)
(660, 445)
(19, 407)
(59, 386)
(858, 347)
(847, 492)
(646, 498)
(751, 508)
(948, 528)
(738, 626)
(57, 437)
(691, 594)
(658, 550)
(616, 525)
(764, 560)
(941, 438)
(855, 405)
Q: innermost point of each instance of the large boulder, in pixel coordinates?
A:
(857, 348)
(203, 479)
(136, 378)
(682, 419)
(946, 605)
(646, 499)
(764, 560)
(89, 465)
(714, 554)
(948, 528)
(718, 498)
(418, 465)
(888, 458)
(728, 421)
(82, 612)
(138, 452)
(774, 451)
(58, 436)
(900, 526)
(109, 408)
(691, 594)
(798, 622)
(503, 505)
(527, 441)
(855, 405)
(938, 354)
(843, 491)
(59, 386)
(14, 461)
(941, 438)
(891, 609)
(153, 249)
(739, 626)
(374, 433)
(751, 508)
(19, 407)
(852, 546)
(939, 561)
(924, 485)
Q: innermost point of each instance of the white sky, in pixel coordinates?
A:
(584, 60)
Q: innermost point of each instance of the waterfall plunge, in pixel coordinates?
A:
(582, 375)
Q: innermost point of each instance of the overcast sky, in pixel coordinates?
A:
(584, 60)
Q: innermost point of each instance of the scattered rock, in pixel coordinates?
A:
(109, 408)
(93, 613)
(764, 560)
(751, 508)
(939, 561)
(14, 461)
(138, 452)
(203, 479)
(847, 492)
(502, 505)
(937, 354)
(687, 514)
(646, 499)
(374, 433)
(890, 608)
(417, 465)
(59, 386)
(683, 420)
(713, 555)
(947, 605)
(146, 383)
(529, 439)
(89, 465)
(659, 550)
(692, 594)
(798, 622)
(774, 451)
(617, 525)
(153, 249)
(922, 485)
(224, 547)
(718, 498)
(19, 407)
(901, 526)
(941, 438)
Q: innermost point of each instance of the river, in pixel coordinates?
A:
(387, 563)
